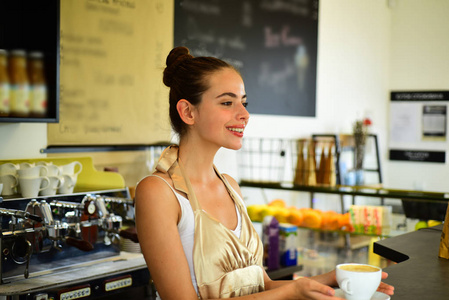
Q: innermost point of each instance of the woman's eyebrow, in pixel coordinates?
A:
(232, 95)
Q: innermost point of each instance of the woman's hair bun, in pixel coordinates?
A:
(174, 58)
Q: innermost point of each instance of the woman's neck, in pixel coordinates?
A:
(198, 160)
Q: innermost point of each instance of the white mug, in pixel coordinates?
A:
(30, 187)
(32, 172)
(1, 188)
(10, 183)
(53, 170)
(68, 184)
(8, 168)
(69, 169)
(55, 184)
(358, 281)
(26, 165)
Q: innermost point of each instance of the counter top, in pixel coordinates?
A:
(125, 262)
(419, 272)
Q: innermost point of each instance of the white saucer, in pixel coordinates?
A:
(376, 296)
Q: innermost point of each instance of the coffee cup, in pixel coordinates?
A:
(10, 183)
(358, 281)
(70, 169)
(69, 182)
(53, 170)
(51, 189)
(8, 168)
(32, 172)
(30, 187)
(26, 165)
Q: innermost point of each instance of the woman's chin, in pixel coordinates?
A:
(234, 146)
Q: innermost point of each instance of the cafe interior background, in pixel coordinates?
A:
(366, 50)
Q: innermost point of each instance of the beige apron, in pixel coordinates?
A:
(225, 266)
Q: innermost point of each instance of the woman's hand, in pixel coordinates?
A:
(385, 288)
(331, 280)
(306, 288)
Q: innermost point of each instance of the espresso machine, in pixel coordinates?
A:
(68, 246)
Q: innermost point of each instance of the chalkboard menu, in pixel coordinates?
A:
(272, 42)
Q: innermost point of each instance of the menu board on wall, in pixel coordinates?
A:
(272, 42)
(112, 54)
(418, 126)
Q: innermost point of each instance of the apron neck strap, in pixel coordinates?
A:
(171, 164)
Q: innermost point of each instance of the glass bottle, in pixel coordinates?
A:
(19, 84)
(4, 84)
(38, 85)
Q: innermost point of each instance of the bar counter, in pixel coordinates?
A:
(419, 272)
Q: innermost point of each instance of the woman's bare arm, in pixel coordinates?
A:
(157, 211)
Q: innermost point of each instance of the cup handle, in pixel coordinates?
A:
(344, 285)
(47, 185)
(43, 170)
(77, 163)
(16, 180)
(68, 181)
(61, 182)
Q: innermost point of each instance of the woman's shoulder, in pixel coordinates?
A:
(155, 178)
(154, 186)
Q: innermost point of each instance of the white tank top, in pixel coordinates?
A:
(186, 229)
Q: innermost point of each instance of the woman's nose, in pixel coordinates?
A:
(243, 112)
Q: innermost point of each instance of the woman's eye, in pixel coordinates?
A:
(227, 103)
(245, 104)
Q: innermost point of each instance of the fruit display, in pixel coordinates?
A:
(301, 217)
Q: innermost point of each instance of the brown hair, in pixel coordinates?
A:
(186, 76)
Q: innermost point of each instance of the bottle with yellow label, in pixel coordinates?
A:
(4, 84)
(19, 84)
(38, 87)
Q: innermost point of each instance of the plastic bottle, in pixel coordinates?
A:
(38, 84)
(271, 242)
(4, 84)
(19, 84)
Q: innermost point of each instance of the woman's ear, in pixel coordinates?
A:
(185, 111)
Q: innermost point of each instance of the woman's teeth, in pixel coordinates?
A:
(236, 129)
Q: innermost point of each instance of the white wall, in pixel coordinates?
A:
(419, 61)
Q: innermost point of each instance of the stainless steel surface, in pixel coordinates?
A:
(59, 241)
(74, 274)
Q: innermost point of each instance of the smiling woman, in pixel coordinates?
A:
(193, 227)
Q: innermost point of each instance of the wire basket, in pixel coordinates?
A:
(262, 160)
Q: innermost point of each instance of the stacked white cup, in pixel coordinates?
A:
(32, 179)
(9, 179)
(69, 174)
(54, 175)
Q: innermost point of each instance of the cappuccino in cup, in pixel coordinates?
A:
(358, 281)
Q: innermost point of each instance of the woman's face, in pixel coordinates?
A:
(221, 115)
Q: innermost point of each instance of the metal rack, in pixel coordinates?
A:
(262, 159)
(275, 160)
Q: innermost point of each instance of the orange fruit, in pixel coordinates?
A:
(344, 222)
(330, 220)
(295, 217)
(312, 218)
(277, 202)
